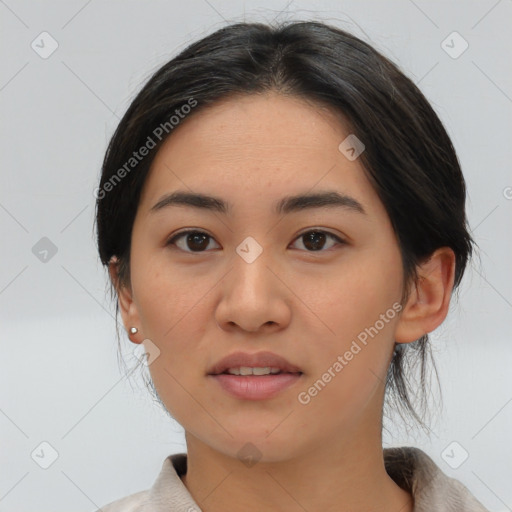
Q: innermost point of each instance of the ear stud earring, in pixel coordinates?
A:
(134, 330)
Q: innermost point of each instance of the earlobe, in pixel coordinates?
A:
(429, 300)
(127, 306)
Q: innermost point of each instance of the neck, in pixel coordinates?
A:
(345, 474)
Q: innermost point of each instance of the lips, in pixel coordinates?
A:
(253, 387)
(259, 359)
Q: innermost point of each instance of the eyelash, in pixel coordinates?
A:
(172, 240)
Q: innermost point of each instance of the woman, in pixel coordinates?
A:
(283, 218)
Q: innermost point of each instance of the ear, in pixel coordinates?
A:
(429, 300)
(127, 306)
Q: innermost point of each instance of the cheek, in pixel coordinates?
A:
(175, 314)
(351, 354)
(172, 311)
(358, 308)
(167, 297)
(356, 294)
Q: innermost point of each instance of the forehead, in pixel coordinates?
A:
(256, 122)
(258, 147)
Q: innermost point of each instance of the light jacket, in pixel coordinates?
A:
(411, 468)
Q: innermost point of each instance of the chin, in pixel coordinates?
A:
(253, 446)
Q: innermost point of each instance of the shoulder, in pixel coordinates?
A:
(167, 492)
(432, 489)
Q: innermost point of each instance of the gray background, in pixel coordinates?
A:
(60, 379)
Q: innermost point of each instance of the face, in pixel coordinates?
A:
(319, 286)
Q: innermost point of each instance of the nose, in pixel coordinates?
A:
(254, 297)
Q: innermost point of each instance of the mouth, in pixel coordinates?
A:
(260, 364)
(255, 387)
(246, 371)
(259, 376)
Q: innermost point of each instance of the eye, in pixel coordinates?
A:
(197, 241)
(314, 240)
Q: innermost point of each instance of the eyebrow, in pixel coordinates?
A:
(288, 204)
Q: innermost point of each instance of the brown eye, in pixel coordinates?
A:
(194, 241)
(315, 240)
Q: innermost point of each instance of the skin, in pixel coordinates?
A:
(305, 305)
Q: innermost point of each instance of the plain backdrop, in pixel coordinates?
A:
(60, 382)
